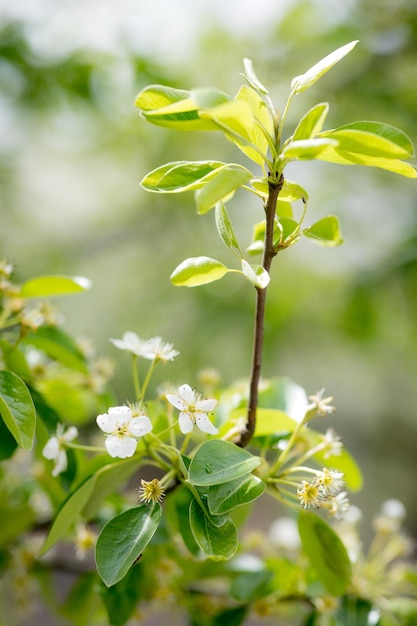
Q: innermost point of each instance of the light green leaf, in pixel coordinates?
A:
(335, 155)
(217, 462)
(197, 271)
(306, 80)
(223, 498)
(286, 395)
(207, 97)
(325, 232)
(123, 539)
(49, 286)
(326, 553)
(273, 421)
(289, 232)
(225, 228)
(171, 108)
(312, 123)
(217, 542)
(307, 149)
(259, 128)
(290, 191)
(180, 176)
(392, 134)
(363, 142)
(17, 409)
(256, 274)
(221, 186)
(251, 77)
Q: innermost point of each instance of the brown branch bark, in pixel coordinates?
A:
(258, 338)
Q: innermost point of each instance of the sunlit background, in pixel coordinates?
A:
(73, 151)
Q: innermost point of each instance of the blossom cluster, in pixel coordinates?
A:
(153, 349)
(325, 490)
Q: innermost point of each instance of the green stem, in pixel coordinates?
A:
(269, 253)
(135, 376)
(79, 446)
(147, 379)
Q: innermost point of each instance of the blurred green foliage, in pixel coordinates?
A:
(73, 155)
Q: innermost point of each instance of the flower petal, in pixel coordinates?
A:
(186, 423)
(140, 426)
(122, 414)
(204, 424)
(61, 463)
(106, 422)
(71, 433)
(187, 394)
(176, 401)
(51, 450)
(121, 447)
(206, 406)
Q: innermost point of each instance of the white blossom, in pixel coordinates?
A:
(122, 429)
(130, 342)
(54, 450)
(155, 348)
(193, 410)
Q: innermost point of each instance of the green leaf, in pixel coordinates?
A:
(312, 122)
(217, 462)
(352, 139)
(326, 552)
(15, 360)
(255, 274)
(48, 286)
(273, 421)
(87, 497)
(291, 192)
(15, 521)
(197, 271)
(178, 512)
(58, 345)
(286, 395)
(229, 617)
(306, 80)
(171, 108)
(217, 542)
(180, 176)
(325, 232)
(68, 512)
(250, 586)
(393, 136)
(259, 126)
(251, 77)
(307, 149)
(123, 539)
(225, 228)
(8, 443)
(221, 186)
(223, 498)
(121, 600)
(17, 409)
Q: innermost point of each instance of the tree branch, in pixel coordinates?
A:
(269, 253)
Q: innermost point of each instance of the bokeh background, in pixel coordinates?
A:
(73, 150)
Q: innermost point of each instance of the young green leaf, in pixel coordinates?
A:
(217, 462)
(325, 232)
(363, 142)
(123, 539)
(48, 286)
(259, 127)
(256, 274)
(180, 176)
(307, 149)
(290, 191)
(217, 542)
(326, 552)
(17, 409)
(312, 123)
(221, 186)
(225, 228)
(197, 271)
(58, 345)
(306, 80)
(171, 108)
(251, 77)
(223, 498)
(392, 134)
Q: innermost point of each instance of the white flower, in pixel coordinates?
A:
(320, 404)
(122, 429)
(193, 410)
(130, 342)
(331, 480)
(155, 348)
(55, 448)
(339, 505)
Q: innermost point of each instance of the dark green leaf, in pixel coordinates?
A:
(123, 539)
(217, 462)
(122, 599)
(217, 542)
(250, 586)
(8, 443)
(230, 617)
(17, 409)
(223, 498)
(326, 552)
